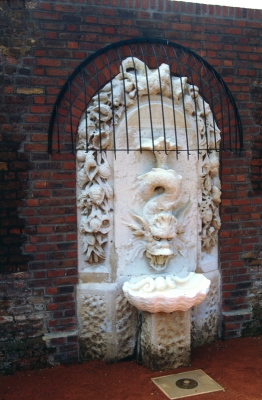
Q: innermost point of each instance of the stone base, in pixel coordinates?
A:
(165, 340)
(205, 317)
(107, 323)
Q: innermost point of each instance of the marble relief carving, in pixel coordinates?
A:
(96, 219)
(167, 294)
(160, 219)
(157, 232)
(210, 185)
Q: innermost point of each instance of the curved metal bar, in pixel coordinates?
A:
(222, 112)
(212, 105)
(84, 83)
(228, 116)
(71, 117)
(236, 114)
(58, 136)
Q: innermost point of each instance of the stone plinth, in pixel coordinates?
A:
(165, 340)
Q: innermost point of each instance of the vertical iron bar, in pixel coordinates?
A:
(138, 105)
(203, 101)
(184, 110)
(161, 97)
(149, 102)
(211, 103)
(192, 80)
(123, 75)
(113, 106)
(172, 96)
(99, 107)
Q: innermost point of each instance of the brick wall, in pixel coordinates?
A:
(41, 43)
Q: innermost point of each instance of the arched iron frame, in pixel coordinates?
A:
(102, 66)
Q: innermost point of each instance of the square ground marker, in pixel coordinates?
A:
(186, 384)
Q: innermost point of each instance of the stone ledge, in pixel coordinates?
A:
(237, 312)
(48, 336)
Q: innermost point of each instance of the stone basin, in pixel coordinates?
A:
(167, 293)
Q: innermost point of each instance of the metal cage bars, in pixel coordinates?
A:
(101, 67)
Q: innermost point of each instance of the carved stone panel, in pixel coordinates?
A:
(120, 114)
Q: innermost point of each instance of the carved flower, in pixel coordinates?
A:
(90, 166)
(100, 139)
(96, 194)
(95, 222)
(92, 247)
(103, 166)
(102, 112)
(81, 155)
(89, 169)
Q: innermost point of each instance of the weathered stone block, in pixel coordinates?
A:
(93, 326)
(205, 317)
(126, 323)
(165, 340)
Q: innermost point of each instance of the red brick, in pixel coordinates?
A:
(65, 281)
(55, 273)
(52, 307)
(30, 248)
(44, 229)
(70, 218)
(32, 202)
(51, 290)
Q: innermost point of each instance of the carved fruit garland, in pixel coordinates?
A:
(95, 221)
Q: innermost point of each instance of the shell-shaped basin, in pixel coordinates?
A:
(167, 294)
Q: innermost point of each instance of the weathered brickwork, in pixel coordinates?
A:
(41, 43)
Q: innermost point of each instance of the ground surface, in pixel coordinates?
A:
(235, 364)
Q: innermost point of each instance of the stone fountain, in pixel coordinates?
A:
(164, 299)
(148, 220)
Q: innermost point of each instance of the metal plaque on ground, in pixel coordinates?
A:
(186, 384)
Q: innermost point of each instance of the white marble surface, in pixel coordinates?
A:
(167, 294)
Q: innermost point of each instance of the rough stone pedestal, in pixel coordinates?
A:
(165, 340)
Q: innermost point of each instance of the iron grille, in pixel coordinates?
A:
(101, 67)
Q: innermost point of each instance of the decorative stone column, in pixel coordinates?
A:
(165, 340)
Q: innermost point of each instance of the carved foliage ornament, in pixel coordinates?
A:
(105, 110)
